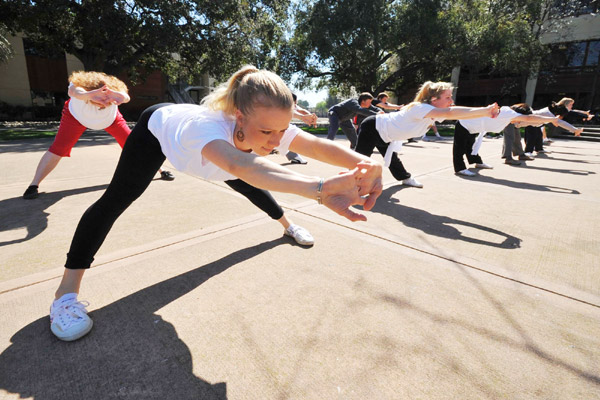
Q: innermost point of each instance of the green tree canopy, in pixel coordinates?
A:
(392, 45)
(181, 38)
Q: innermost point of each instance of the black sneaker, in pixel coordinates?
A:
(167, 176)
(31, 193)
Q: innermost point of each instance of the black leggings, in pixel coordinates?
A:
(534, 139)
(369, 138)
(140, 160)
(463, 146)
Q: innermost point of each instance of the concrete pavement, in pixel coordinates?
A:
(485, 287)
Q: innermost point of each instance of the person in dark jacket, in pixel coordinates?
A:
(341, 115)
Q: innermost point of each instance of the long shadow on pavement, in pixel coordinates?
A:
(562, 171)
(521, 185)
(131, 353)
(18, 213)
(436, 225)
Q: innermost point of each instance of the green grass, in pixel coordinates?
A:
(19, 134)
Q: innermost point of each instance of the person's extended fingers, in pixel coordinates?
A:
(371, 199)
(352, 215)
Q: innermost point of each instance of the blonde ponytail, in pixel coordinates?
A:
(429, 90)
(248, 88)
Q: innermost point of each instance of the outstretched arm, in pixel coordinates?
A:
(337, 192)
(458, 112)
(389, 106)
(305, 116)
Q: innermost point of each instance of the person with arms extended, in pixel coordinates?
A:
(468, 134)
(432, 103)
(223, 139)
(93, 104)
(342, 114)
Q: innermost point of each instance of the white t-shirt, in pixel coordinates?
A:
(92, 116)
(488, 124)
(406, 123)
(544, 112)
(184, 129)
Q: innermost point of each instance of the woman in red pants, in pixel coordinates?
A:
(93, 104)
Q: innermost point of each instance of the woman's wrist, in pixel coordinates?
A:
(320, 190)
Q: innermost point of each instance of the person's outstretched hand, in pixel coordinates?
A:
(494, 110)
(340, 192)
(369, 182)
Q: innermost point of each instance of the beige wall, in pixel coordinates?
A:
(73, 64)
(14, 81)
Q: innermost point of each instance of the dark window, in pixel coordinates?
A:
(593, 53)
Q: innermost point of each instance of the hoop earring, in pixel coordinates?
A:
(240, 135)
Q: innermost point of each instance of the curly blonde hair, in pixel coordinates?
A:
(91, 80)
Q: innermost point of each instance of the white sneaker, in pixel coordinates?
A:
(412, 182)
(466, 172)
(68, 318)
(484, 166)
(300, 235)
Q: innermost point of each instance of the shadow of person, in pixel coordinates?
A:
(17, 213)
(562, 171)
(520, 185)
(437, 225)
(131, 353)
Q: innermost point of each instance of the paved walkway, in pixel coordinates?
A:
(471, 288)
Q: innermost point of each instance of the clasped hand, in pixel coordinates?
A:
(360, 186)
(105, 96)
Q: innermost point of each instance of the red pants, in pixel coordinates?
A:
(70, 130)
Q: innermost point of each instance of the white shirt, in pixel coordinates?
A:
(406, 123)
(92, 116)
(184, 129)
(544, 112)
(489, 124)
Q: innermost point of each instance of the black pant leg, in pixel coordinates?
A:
(369, 138)
(140, 160)
(472, 158)
(530, 132)
(461, 136)
(259, 197)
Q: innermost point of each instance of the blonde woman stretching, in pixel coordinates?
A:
(223, 139)
(93, 103)
(433, 103)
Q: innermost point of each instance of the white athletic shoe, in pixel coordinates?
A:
(466, 172)
(68, 318)
(300, 235)
(412, 182)
(484, 166)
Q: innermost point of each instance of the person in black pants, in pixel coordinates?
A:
(369, 139)
(225, 138)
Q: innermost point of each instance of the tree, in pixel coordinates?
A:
(303, 103)
(6, 51)
(321, 108)
(381, 45)
(179, 37)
